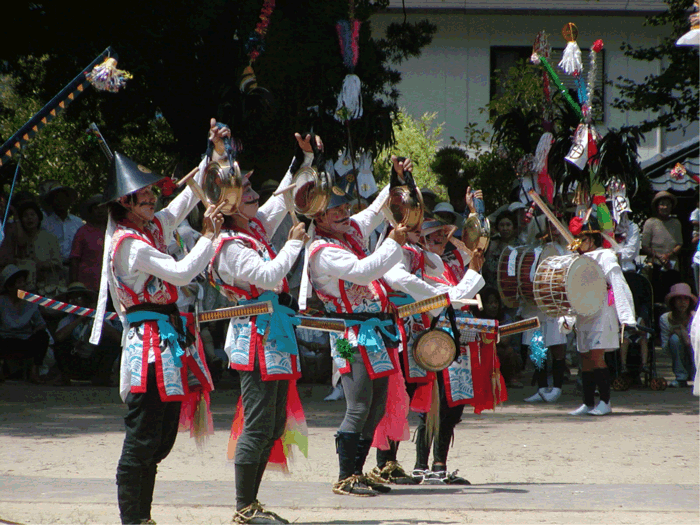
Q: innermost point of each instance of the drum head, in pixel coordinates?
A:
(311, 193)
(434, 350)
(586, 286)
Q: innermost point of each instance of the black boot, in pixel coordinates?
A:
(347, 444)
(246, 476)
(148, 482)
(129, 495)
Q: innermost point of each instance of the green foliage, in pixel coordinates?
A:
(418, 140)
(187, 57)
(63, 150)
(672, 95)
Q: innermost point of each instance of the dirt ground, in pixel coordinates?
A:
(76, 432)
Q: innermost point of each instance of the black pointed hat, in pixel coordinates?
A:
(343, 190)
(125, 177)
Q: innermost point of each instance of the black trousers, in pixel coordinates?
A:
(265, 409)
(449, 417)
(151, 428)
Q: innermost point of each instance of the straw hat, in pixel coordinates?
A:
(76, 288)
(680, 290)
(663, 195)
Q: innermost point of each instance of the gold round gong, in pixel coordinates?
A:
(312, 192)
(223, 182)
(405, 208)
(434, 350)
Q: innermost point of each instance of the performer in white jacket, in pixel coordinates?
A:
(599, 333)
(161, 366)
(263, 348)
(350, 283)
(420, 280)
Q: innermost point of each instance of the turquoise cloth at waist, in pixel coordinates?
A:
(280, 323)
(165, 328)
(368, 336)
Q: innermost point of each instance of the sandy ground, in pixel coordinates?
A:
(76, 432)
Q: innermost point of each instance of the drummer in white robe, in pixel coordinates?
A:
(552, 338)
(600, 332)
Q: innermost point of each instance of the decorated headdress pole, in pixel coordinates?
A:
(350, 98)
(102, 73)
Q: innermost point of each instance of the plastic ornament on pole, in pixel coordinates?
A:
(571, 62)
(107, 77)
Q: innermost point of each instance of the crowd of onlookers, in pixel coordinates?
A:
(49, 251)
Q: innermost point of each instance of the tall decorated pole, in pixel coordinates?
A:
(350, 98)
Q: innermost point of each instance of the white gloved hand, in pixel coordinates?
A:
(566, 323)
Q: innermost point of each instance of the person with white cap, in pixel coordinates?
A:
(350, 283)
(161, 366)
(263, 349)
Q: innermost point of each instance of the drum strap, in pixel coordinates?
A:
(450, 313)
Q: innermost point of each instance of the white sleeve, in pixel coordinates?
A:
(400, 279)
(633, 243)
(176, 212)
(468, 287)
(624, 303)
(272, 212)
(372, 216)
(145, 258)
(237, 261)
(342, 264)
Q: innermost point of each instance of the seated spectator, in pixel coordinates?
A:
(75, 356)
(675, 327)
(85, 260)
(23, 334)
(57, 200)
(508, 347)
(662, 241)
(35, 250)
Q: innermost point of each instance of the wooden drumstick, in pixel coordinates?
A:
(194, 186)
(458, 243)
(289, 201)
(550, 215)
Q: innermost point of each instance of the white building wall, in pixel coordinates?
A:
(452, 76)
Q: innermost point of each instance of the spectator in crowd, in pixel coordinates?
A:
(446, 212)
(23, 334)
(33, 249)
(662, 241)
(57, 200)
(675, 327)
(76, 358)
(506, 224)
(695, 222)
(508, 347)
(429, 198)
(85, 260)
